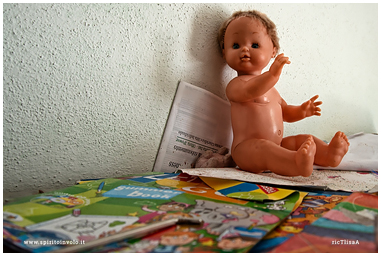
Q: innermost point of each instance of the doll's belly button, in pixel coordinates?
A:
(279, 132)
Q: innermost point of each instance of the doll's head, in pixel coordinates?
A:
(266, 22)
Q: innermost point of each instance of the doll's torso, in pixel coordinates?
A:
(260, 118)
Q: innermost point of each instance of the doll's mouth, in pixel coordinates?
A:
(245, 58)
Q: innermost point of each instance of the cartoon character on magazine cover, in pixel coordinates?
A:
(64, 201)
(277, 205)
(162, 209)
(171, 240)
(235, 238)
(219, 217)
(312, 208)
(364, 217)
(233, 243)
(168, 216)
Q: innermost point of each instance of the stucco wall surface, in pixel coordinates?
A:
(87, 88)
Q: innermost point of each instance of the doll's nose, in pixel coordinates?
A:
(245, 49)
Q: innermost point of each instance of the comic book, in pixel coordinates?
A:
(100, 208)
(350, 227)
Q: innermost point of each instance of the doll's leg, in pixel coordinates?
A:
(326, 154)
(257, 155)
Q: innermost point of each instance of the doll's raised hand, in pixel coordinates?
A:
(278, 64)
(310, 107)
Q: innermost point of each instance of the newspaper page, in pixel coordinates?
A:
(198, 121)
(324, 179)
(362, 154)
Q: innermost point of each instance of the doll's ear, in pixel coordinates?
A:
(274, 52)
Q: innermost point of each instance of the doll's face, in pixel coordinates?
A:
(247, 46)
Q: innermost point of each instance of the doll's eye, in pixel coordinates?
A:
(254, 46)
(235, 46)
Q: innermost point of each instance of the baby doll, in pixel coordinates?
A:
(249, 41)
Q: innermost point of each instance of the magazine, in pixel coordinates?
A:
(350, 227)
(311, 209)
(92, 210)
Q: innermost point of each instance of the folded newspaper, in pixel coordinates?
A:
(200, 121)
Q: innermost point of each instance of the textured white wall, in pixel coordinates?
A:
(87, 88)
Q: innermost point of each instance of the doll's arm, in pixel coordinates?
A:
(296, 113)
(239, 90)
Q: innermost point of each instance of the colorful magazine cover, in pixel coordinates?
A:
(312, 208)
(219, 234)
(100, 208)
(350, 227)
(246, 190)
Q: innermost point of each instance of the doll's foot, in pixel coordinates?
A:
(305, 157)
(337, 148)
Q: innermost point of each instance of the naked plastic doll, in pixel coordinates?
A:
(249, 41)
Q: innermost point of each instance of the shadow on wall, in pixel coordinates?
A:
(205, 49)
